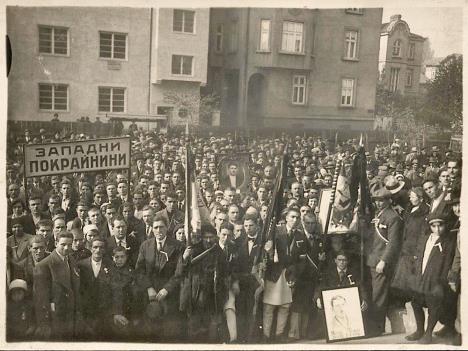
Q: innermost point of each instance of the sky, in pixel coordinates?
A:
(442, 25)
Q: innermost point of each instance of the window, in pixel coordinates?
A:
(53, 40)
(354, 11)
(409, 78)
(233, 37)
(347, 92)
(411, 50)
(351, 43)
(111, 99)
(182, 65)
(53, 97)
(397, 48)
(264, 44)
(113, 45)
(394, 78)
(299, 90)
(183, 21)
(292, 37)
(219, 38)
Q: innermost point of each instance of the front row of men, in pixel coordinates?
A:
(204, 292)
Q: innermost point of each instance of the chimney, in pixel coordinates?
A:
(395, 18)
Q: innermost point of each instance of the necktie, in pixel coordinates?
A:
(119, 243)
(251, 238)
(342, 276)
(148, 230)
(159, 245)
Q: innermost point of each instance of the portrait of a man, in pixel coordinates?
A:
(233, 173)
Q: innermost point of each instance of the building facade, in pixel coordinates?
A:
(295, 68)
(112, 62)
(401, 55)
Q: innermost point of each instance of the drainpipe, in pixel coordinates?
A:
(150, 59)
(246, 69)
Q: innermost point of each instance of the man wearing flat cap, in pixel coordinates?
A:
(432, 261)
(383, 255)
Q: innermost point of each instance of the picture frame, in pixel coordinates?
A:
(242, 173)
(343, 316)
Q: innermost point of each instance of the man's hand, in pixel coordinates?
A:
(152, 294)
(291, 284)
(133, 233)
(187, 253)
(322, 256)
(319, 304)
(120, 320)
(453, 286)
(161, 294)
(380, 267)
(364, 306)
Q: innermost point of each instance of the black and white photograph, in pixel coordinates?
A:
(343, 316)
(193, 175)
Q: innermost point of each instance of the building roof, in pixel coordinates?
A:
(389, 27)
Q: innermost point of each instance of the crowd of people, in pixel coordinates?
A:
(104, 255)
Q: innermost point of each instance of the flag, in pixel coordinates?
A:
(359, 187)
(196, 211)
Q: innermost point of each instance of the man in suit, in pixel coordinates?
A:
(248, 248)
(156, 268)
(282, 272)
(109, 214)
(79, 251)
(80, 221)
(112, 196)
(30, 220)
(433, 259)
(303, 307)
(386, 243)
(341, 274)
(24, 269)
(68, 203)
(56, 293)
(233, 177)
(438, 202)
(120, 238)
(96, 291)
(172, 215)
(53, 203)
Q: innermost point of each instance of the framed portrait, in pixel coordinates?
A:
(233, 171)
(343, 316)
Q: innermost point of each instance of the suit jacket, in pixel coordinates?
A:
(246, 260)
(18, 247)
(96, 293)
(56, 293)
(24, 269)
(70, 212)
(132, 248)
(386, 246)
(331, 279)
(28, 223)
(157, 270)
(177, 218)
(433, 281)
(289, 248)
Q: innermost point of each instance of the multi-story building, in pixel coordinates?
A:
(295, 68)
(401, 55)
(104, 62)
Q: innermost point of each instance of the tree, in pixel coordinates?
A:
(443, 103)
(198, 110)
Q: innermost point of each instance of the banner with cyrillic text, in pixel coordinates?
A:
(76, 156)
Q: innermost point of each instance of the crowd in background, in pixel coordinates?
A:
(104, 255)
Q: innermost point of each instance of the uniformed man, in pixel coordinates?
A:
(386, 242)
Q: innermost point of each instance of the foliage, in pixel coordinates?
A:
(194, 105)
(443, 103)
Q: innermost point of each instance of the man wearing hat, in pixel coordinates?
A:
(383, 255)
(433, 258)
(400, 198)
